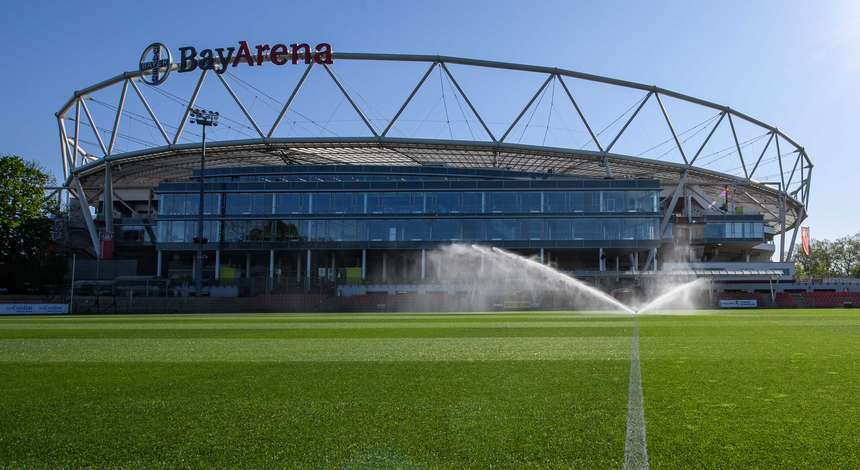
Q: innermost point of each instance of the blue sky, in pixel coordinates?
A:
(790, 63)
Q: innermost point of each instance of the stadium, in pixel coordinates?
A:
(337, 179)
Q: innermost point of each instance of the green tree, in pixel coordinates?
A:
(837, 258)
(26, 220)
(846, 256)
(819, 262)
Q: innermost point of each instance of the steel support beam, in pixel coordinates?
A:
(626, 124)
(468, 101)
(290, 100)
(107, 195)
(150, 111)
(672, 128)
(93, 126)
(88, 218)
(527, 106)
(238, 102)
(64, 147)
(75, 146)
(408, 99)
(116, 121)
(679, 188)
(351, 102)
(191, 102)
(738, 147)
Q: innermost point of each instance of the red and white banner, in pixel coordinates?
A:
(804, 240)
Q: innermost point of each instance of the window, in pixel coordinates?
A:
(384, 230)
(395, 203)
(530, 201)
(248, 203)
(559, 229)
(473, 202)
(184, 231)
(501, 202)
(292, 203)
(613, 201)
(446, 229)
(556, 201)
(247, 230)
(584, 201)
(444, 202)
(587, 229)
(532, 229)
(415, 230)
(287, 230)
(473, 229)
(337, 203)
(502, 229)
(188, 203)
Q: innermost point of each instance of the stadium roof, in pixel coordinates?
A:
(692, 157)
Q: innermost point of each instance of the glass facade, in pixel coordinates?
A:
(189, 203)
(404, 215)
(420, 202)
(744, 230)
(184, 231)
(401, 230)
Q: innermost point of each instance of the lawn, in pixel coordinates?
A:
(727, 389)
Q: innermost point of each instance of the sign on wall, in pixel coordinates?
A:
(33, 309)
(741, 303)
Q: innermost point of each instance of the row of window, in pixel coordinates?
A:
(403, 202)
(411, 230)
(748, 230)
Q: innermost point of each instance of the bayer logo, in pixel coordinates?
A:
(155, 64)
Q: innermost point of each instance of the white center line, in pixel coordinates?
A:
(635, 447)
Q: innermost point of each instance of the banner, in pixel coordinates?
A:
(740, 303)
(804, 240)
(33, 309)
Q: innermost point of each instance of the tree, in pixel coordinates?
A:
(846, 256)
(26, 219)
(837, 258)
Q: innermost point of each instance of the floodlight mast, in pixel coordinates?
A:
(204, 118)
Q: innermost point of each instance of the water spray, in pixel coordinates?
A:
(515, 265)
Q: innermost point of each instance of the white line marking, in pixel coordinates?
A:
(635, 447)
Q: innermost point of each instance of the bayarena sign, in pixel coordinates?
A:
(156, 60)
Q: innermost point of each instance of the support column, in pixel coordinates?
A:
(299, 267)
(423, 264)
(271, 281)
(364, 262)
(333, 267)
(308, 271)
(247, 265)
(542, 253)
(688, 206)
(384, 267)
(600, 260)
(636, 262)
(217, 264)
(654, 259)
(108, 202)
(158, 263)
(88, 218)
(782, 227)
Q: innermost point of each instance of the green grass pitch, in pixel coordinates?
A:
(722, 389)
